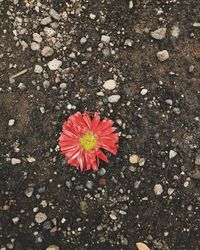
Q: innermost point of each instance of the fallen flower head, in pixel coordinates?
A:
(82, 139)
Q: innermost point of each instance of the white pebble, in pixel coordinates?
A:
(110, 84)
(11, 122)
(113, 216)
(35, 46)
(15, 220)
(55, 64)
(42, 110)
(15, 161)
(63, 85)
(40, 217)
(114, 98)
(172, 154)
(83, 40)
(162, 55)
(143, 91)
(47, 51)
(134, 159)
(38, 69)
(159, 34)
(105, 39)
(158, 190)
(92, 16)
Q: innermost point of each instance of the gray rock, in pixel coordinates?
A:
(175, 31)
(101, 172)
(89, 184)
(68, 184)
(35, 46)
(49, 32)
(128, 42)
(105, 39)
(159, 34)
(177, 111)
(46, 84)
(29, 191)
(63, 85)
(22, 86)
(196, 25)
(47, 225)
(83, 40)
(54, 14)
(46, 20)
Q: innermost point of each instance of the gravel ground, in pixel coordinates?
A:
(136, 62)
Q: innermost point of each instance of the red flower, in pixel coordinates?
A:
(82, 139)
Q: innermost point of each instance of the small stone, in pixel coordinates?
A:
(114, 98)
(142, 246)
(29, 191)
(54, 14)
(35, 46)
(101, 172)
(68, 184)
(47, 225)
(47, 51)
(30, 159)
(172, 154)
(41, 189)
(22, 86)
(169, 102)
(49, 32)
(186, 184)
(196, 25)
(11, 122)
(89, 184)
(83, 40)
(92, 16)
(55, 64)
(195, 174)
(162, 55)
(46, 84)
(37, 38)
(109, 84)
(141, 162)
(175, 31)
(15, 220)
(105, 39)
(191, 69)
(128, 42)
(134, 159)
(42, 110)
(46, 20)
(177, 111)
(113, 216)
(143, 91)
(130, 4)
(159, 34)
(63, 85)
(38, 69)
(53, 247)
(40, 217)
(15, 161)
(137, 184)
(170, 191)
(158, 190)
(197, 160)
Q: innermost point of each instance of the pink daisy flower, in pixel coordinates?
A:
(82, 139)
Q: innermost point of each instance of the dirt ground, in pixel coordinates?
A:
(55, 56)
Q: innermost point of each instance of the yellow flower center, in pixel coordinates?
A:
(88, 141)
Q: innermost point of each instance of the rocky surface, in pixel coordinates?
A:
(136, 62)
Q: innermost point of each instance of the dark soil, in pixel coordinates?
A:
(78, 217)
